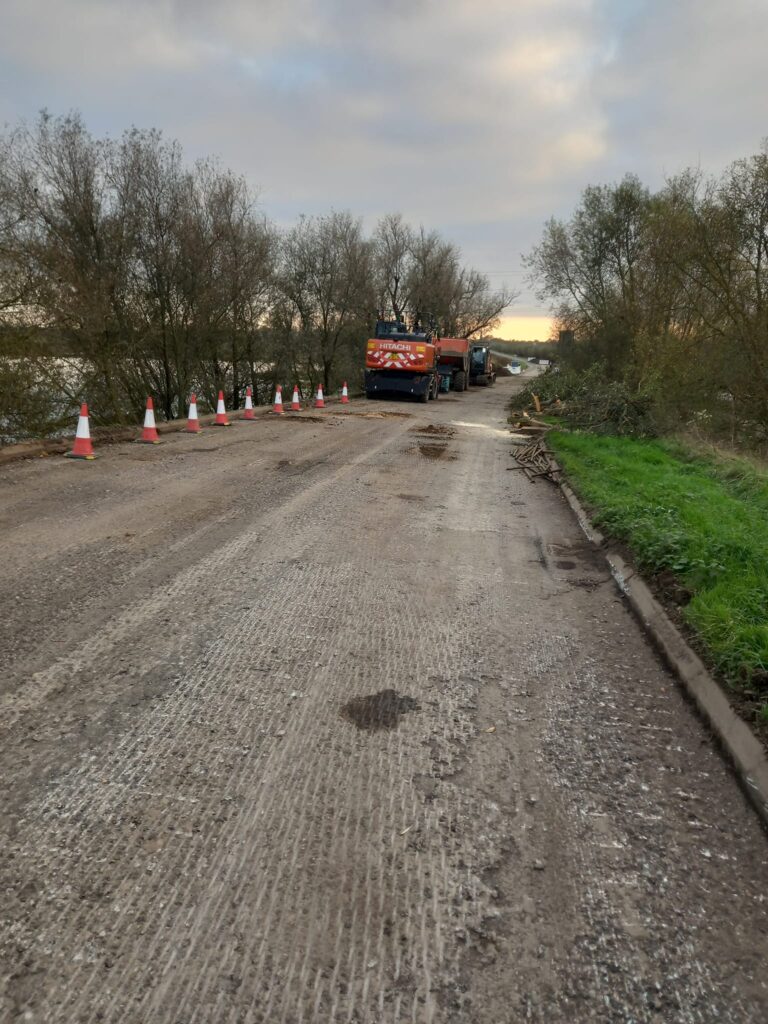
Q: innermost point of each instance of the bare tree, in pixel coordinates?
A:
(327, 278)
(393, 243)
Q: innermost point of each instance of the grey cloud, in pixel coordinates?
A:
(478, 117)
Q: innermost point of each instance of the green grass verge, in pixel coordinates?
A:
(704, 521)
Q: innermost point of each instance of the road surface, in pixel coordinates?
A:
(334, 719)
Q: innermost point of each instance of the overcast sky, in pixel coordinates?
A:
(480, 118)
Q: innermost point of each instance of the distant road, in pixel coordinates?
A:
(532, 369)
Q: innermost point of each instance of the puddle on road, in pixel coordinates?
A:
(432, 451)
(583, 558)
(381, 710)
(411, 497)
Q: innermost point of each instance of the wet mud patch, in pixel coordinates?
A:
(434, 430)
(671, 589)
(382, 710)
(301, 418)
(433, 451)
(576, 556)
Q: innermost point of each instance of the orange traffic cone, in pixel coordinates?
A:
(295, 403)
(319, 402)
(344, 394)
(249, 413)
(221, 413)
(149, 434)
(82, 448)
(278, 400)
(193, 423)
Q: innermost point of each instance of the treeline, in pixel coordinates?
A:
(668, 291)
(528, 349)
(151, 276)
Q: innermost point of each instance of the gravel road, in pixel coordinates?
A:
(333, 719)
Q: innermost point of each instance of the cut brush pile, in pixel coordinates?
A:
(530, 450)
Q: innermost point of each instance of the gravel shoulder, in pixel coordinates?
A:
(337, 720)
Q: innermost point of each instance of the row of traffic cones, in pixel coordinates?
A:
(296, 402)
(83, 447)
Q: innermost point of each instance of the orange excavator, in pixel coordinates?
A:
(402, 361)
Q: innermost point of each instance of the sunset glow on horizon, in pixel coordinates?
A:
(526, 328)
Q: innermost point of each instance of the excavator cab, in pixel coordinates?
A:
(395, 329)
(481, 369)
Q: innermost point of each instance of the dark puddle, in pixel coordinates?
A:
(432, 451)
(412, 497)
(381, 710)
(564, 564)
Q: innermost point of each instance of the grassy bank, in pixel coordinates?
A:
(700, 527)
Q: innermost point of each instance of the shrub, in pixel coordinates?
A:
(590, 401)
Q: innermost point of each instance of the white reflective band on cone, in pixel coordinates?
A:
(82, 427)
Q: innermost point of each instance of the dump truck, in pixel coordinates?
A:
(454, 364)
(481, 368)
(402, 361)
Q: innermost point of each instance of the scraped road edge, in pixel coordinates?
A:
(118, 434)
(742, 748)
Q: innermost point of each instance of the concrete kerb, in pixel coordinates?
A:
(740, 745)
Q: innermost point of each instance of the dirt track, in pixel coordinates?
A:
(219, 811)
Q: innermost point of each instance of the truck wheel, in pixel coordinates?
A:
(424, 397)
(460, 381)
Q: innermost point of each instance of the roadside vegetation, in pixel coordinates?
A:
(668, 292)
(698, 526)
(661, 394)
(126, 271)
